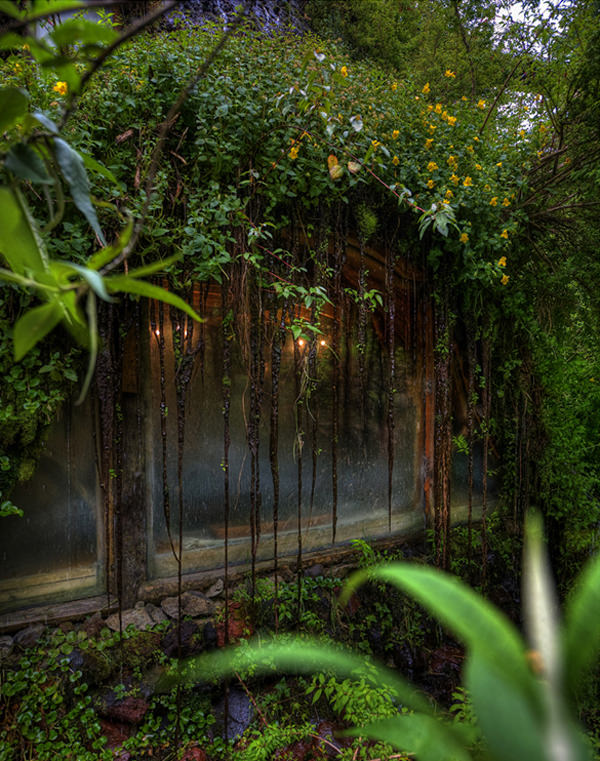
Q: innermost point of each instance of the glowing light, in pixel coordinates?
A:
(323, 343)
(157, 332)
(300, 342)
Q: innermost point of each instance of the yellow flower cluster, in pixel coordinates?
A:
(293, 154)
(467, 182)
(505, 279)
(464, 238)
(502, 261)
(394, 86)
(429, 142)
(432, 166)
(450, 74)
(426, 88)
(395, 134)
(430, 184)
(344, 71)
(61, 88)
(395, 161)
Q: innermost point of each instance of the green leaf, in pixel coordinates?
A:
(34, 325)
(503, 711)
(297, 656)
(27, 164)
(73, 170)
(107, 254)
(13, 106)
(55, 6)
(126, 284)
(92, 278)
(469, 616)
(151, 269)
(20, 242)
(9, 7)
(82, 31)
(93, 325)
(95, 166)
(581, 636)
(45, 121)
(425, 737)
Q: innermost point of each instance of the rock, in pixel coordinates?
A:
(93, 626)
(216, 589)
(239, 625)
(156, 614)
(115, 732)
(194, 754)
(193, 605)
(142, 650)
(210, 636)
(314, 571)
(139, 605)
(240, 714)
(129, 710)
(191, 640)
(66, 627)
(6, 646)
(29, 637)
(139, 617)
(95, 665)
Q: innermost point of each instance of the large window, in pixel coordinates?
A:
(52, 552)
(305, 450)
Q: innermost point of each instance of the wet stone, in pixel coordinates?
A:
(139, 617)
(93, 625)
(6, 646)
(130, 710)
(29, 637)
(215, 589)
(156, 614)
(241, 713)
(192, 605)
(192, 640)
(314, 571)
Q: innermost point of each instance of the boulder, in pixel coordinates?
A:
(29, 637)
(193, 605)
(139, 617)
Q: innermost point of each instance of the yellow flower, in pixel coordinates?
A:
(293, 154)
(429, 107)
(454, 178)
(499, 164)
(464, 97)
(481, 104)
(426, 88)
(375, 143)
(487, 188)
(438, 108)
(502, 261)
(449, 194)
(468, 182)
(61, 88)
(395, 161)
(476, 138)
(449, 74)
(395, 134)
(505, 279)
(506, 202)
(344, 71)
(522, 132)
(444, 115)
(464, 238)
(432, 166)
(478, 166)
(494, 201)
(432, 128)
(504, 234)
(429, 142)
(430, 184)
(452, 120)
(394, 86)
(452, 161)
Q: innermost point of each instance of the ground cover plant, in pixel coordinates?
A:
(488, 188)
